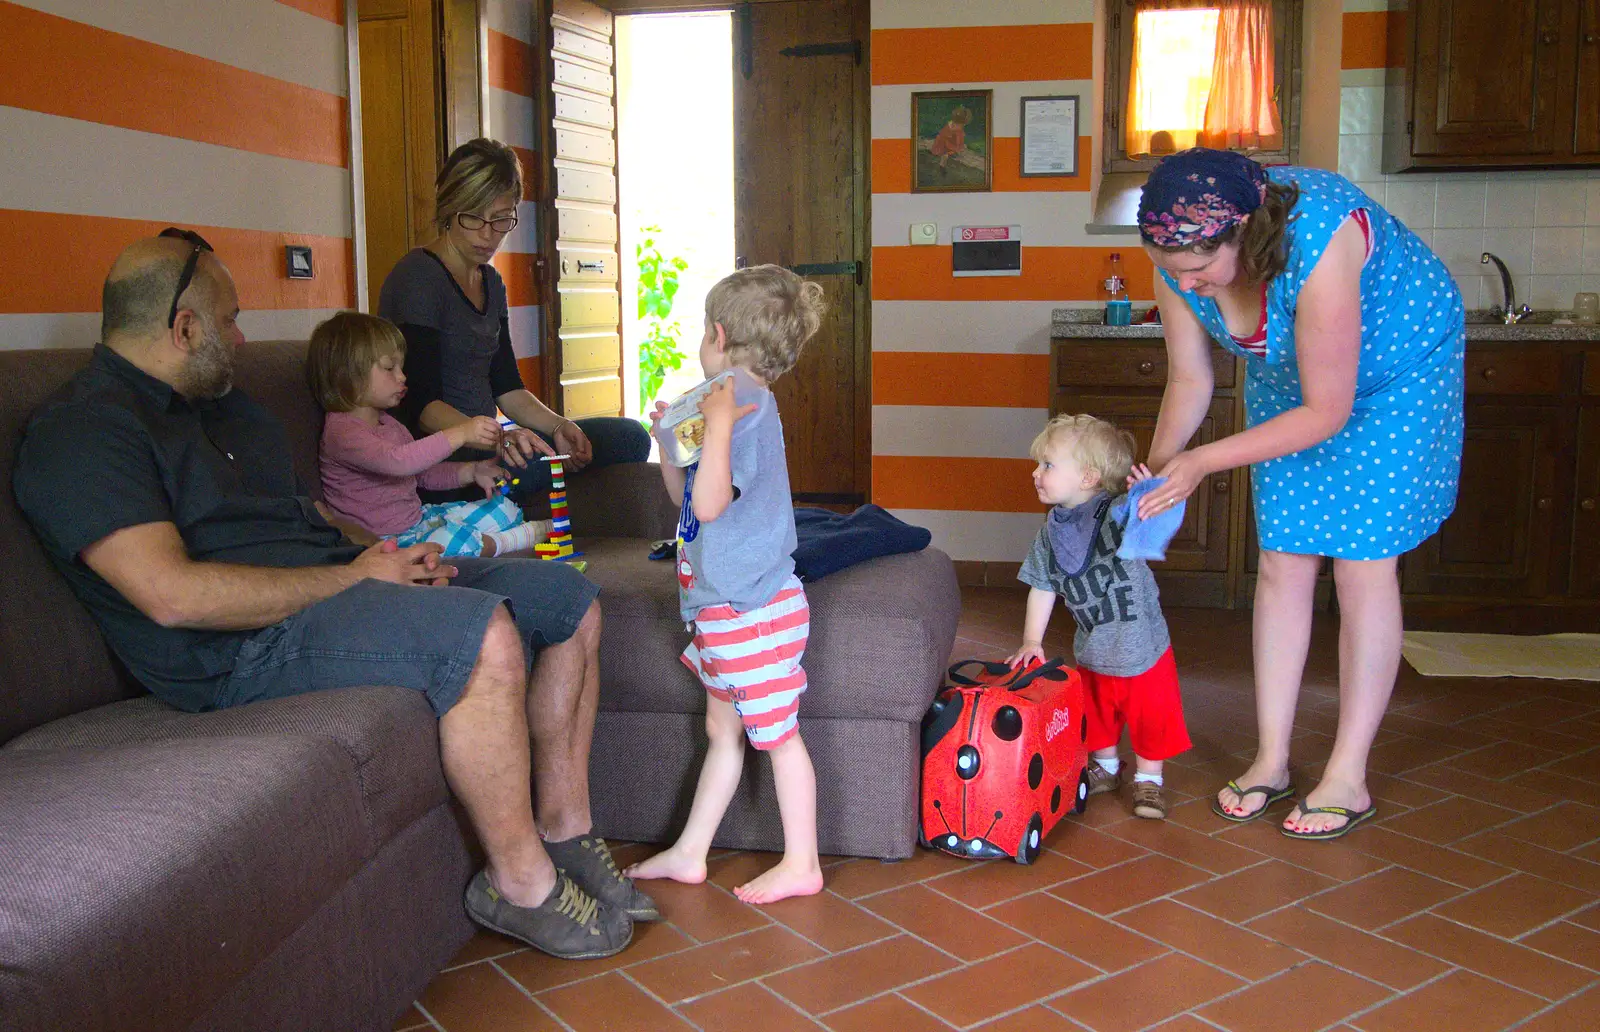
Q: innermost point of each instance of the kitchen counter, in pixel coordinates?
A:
(1067, 323)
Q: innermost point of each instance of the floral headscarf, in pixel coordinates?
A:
(1198, 194)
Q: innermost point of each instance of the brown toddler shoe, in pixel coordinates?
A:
(1102, 780)
(1149, 801)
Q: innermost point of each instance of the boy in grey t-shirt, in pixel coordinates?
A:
(736, 578)
(1122, 648)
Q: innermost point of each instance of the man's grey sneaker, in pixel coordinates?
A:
(570, 923)
(589, 862)
(1102, 780)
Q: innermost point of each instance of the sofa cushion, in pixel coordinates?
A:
(881, 634)
(140, 881)
(390, 736)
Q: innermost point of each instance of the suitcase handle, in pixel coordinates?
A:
(1054, 670)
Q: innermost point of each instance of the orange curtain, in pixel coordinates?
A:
(1242, 113)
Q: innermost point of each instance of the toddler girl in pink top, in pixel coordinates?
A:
(371, 466)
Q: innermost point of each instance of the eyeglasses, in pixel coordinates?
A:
(199, 245)
(473, 223)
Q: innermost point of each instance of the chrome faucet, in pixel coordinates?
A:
(1510, 313)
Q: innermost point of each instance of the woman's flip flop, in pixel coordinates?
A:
(1273, 795)
(1351, 819)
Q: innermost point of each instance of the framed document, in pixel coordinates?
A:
(1049, 136)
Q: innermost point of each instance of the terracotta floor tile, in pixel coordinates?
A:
(1503, 759)
(1580, 1012)
(1587, 918)
(1570, 942)
(1403, 754)
(1449, 820)
(537, 971)
(1228, 946)
(1130, 884)
(883, 1013)
(1305, 999)
(1383, 898)
(1566, 868)
(412, 1018)
(1041, 1019)
(1584, 766)
(704, 912)
(954, 928)
(1562, 827)
(478, 998)
(1255, 890)
(1095, 848)
(1491, 956)
(830, 921)
(1338, 859)
(1094, 940)
(1515, 906)
(1541, 713)
(1557, 784)
(1352, 949)
(1404, 792)
(1459, 1002)
(1449, 865)
(1496, 793)
(1453, 734)
(1147, 994)
(483, 946)
(1196, 814)
(1027, 975)
(994, 881)
(609, 1003)
(747, 1007)
(864, 877)
(1569, 739)
(1191, 847)
(851, 977)
(717, 965)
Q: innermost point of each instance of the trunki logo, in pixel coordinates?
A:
(1059, 721)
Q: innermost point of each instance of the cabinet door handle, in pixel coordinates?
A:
(1548, 38)
(1489, 372)
(1587, 505)
(1543, 504)
(1590, 38)
(1147, 367)
(1222, 485)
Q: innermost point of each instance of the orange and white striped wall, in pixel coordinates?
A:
(229, 117)
(961, 379)
(512, 68)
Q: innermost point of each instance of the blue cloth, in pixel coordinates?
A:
(830, 541)
(1146, 539)
(1386, 481)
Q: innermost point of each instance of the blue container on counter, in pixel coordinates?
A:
(1119, 313)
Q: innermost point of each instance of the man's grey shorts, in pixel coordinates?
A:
(420, 637)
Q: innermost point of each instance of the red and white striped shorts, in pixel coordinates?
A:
(752, 660)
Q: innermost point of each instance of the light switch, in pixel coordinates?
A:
(924, 232)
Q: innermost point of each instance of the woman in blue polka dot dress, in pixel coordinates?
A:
(1353, 337)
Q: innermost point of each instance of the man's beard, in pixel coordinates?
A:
(208, 373)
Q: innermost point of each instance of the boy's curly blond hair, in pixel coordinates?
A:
(1096, 444)
(768, 313)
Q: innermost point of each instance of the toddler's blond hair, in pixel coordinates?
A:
(768, 313)
(1096, 444)
(341, 354)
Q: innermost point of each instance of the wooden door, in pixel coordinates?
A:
(1201, 544)
(399, 129)
(1488, 76)
(801, 133)
(1586, 517)
(585, 337)
(1504, 539)
(1586, 129)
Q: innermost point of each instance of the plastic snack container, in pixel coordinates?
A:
(682, 428)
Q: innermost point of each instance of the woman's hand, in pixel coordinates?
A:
(1183, 475)
(521, 445)
(1031, 652)
(477, 432)
(572, 442)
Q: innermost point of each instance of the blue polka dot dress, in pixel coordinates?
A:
(1383, 484)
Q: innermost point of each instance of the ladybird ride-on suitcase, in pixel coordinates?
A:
(1002, 759)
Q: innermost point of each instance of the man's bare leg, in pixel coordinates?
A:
(562, 698)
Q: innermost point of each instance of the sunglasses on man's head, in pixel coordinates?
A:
(199, 244)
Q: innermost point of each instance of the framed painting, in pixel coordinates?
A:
(952, 137)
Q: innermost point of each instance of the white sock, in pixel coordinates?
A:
(520, 538)
(1154, 779)
(1111, 765)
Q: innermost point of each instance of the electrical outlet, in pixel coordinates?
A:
(924, 232)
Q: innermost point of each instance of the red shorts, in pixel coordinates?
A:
(1148, 704)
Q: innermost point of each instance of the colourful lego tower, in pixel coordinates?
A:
(559, 547)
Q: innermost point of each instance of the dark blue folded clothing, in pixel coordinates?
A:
(831, 541)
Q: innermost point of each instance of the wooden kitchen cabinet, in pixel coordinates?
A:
(1586, 516)
(1496, 84)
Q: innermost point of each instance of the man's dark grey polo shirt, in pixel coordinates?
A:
(117, 448)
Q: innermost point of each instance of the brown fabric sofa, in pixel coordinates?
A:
(298, 864)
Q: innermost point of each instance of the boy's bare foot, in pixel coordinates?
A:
(680, 867)
(788, 878)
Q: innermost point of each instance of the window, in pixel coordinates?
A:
(1181, 73)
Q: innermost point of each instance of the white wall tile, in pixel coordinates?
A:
(1378, 190)
(1412, 203)
(1591, 250)
(1359, 157)
(1460, 250)
(1360, 110)
(1512, 246)
(1554, 292)
(1593, 217)
(1472, 295)
(1511, 203)
(1557, 251)
(1461, 204)
(1561, 203)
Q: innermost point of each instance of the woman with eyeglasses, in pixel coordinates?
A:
(450, 305)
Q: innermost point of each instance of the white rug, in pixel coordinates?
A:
(1567, 657)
